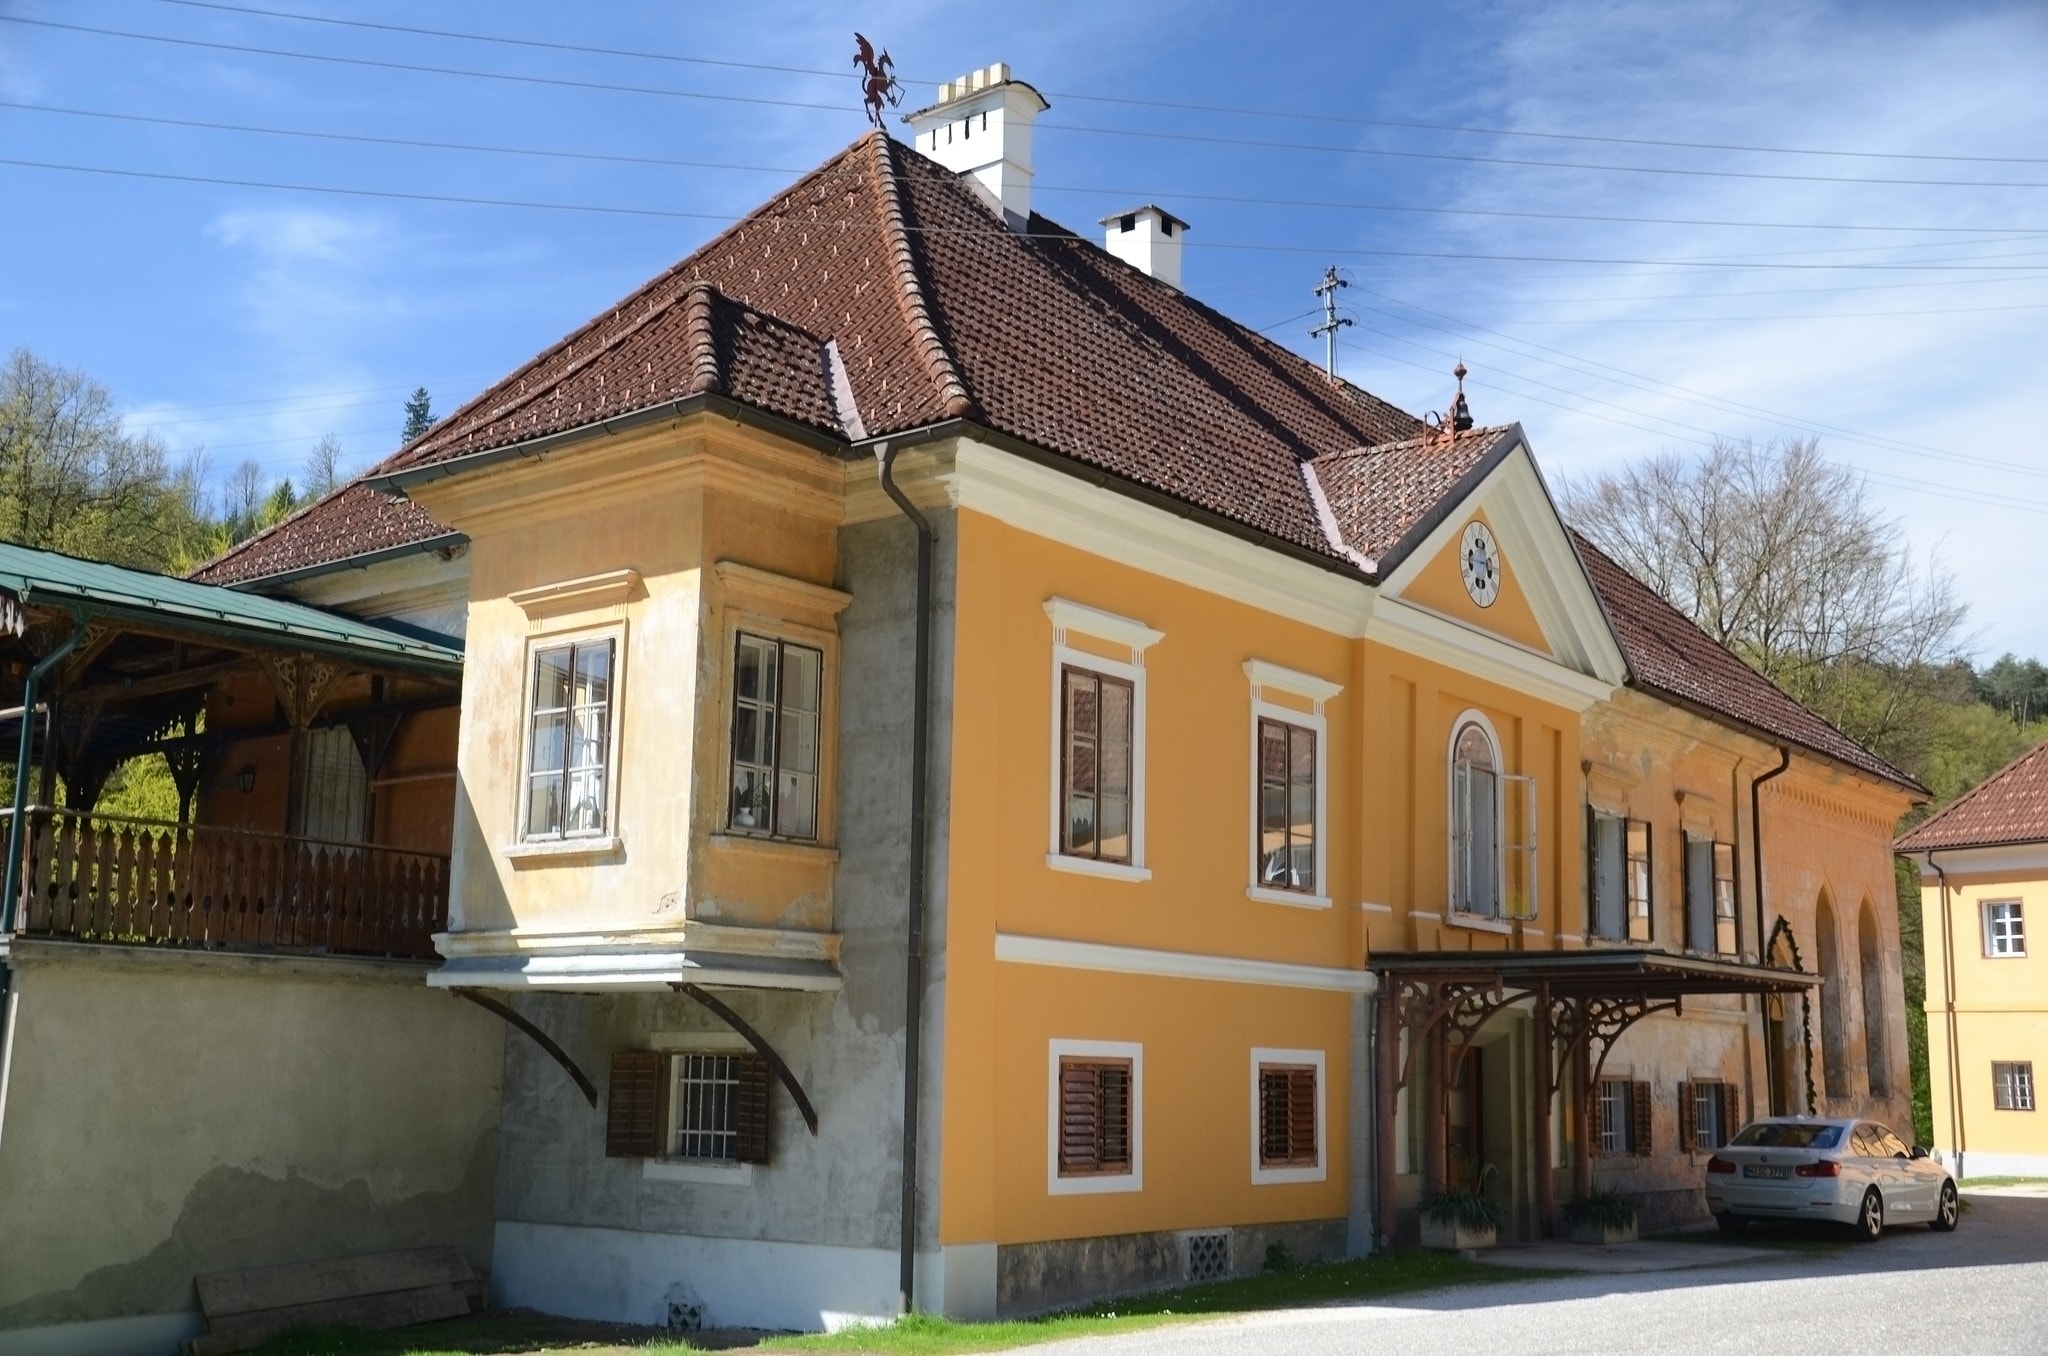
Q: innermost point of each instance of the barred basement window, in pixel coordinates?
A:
(708, 1107)
(1287, 1116)
(1095, 1117)
(2012, 1086)
(1621, 1118)
(1709, 1114)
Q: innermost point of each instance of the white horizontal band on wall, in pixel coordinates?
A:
(1135, 960)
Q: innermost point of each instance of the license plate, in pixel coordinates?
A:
(1776, 1174)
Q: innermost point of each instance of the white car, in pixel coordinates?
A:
(1848, 1171)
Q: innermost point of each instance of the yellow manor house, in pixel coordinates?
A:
(1983, 867)
(980, 781)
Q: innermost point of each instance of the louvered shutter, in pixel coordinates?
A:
(1688, 1118)
(1113, 1117)
(751, 1101)
(1731, 1111)
(1639, 1120)
(1596, 1127)
(636, 1111)
(1273, 1127)
(1301, 1116)
(1079, 1118)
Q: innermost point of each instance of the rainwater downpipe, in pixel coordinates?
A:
(10, 883)
(1957, 1125)
(1756, 863)
(913, 939)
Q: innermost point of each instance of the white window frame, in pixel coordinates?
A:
(1265, 1176)
(703, 1171)
(1991, 939)
(1070, 618)
(2022, 1084)
(610, 839)
(1502, 777)
(779, 634)
(1093, 1184)
(1316, 691)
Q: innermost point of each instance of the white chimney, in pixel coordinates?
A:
(981, 126)
(1147, 238)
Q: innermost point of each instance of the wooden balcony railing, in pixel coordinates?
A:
(108, 878)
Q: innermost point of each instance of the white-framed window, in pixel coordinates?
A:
(2012, 1085)
(2005, 929)
(1095, 1117)
(571, 734)
(778, 702)
(1289, 1116)
(1621, 1117)
(1098, 742)
(698, 1114)
(1289, 786)
(1492, 827)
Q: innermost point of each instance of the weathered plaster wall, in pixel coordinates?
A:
(167, 1114)
(830, 1202)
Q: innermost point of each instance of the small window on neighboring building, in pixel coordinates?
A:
(1095, 1117)
(1621, 1117)
(1287, 807)
(1096, 722)
(1709, 1114)
(2005, 932)
(1287, 1116)
(777, 697)
(2012, 1086)
(1641, 923)
(569, 740)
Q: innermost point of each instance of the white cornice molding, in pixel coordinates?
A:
(780, 590)
(1069, 617)
(2019, 862)
(1410, 629)
(1135, 960)
(1269, 675)
(578, 595)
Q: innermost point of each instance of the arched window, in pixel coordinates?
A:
(1475, 821)
(1834, 1017)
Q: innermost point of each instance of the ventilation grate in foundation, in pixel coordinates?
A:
(1208, 1256)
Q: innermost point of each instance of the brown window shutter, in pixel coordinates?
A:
(1731, 1111)
(636, 1112)
(1688, 1126)
(750, 1110)
(1301, 1117)
(1273, 1146)
(1639, 1120)
(1079, 1117)
(1113, 1136)
(1595, 1126)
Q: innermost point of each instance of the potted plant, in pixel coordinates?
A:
(1461, 1218)
(1601, 1217)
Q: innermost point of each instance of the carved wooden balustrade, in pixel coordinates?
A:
(108, 878)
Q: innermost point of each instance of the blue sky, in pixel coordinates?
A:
(250, 320)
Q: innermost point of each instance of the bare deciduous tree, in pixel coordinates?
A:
(323, 466)
(1779, 554)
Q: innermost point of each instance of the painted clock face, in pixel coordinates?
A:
(1479, 562)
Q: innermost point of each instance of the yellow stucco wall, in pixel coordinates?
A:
(2001, 1007)
(1440, 586)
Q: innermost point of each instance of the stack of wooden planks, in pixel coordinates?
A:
(244, 1309)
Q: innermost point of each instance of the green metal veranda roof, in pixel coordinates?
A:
(50, 579)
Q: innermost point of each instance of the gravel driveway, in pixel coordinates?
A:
(1983, 1288)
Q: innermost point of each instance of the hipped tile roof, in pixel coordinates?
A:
(2010, 806)
(1668, 655)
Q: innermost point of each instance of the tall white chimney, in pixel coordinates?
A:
(1147, 238)
(981, 126)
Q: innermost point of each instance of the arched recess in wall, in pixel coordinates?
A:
(1789, 1030)
(1834, 1018)
(1876, 1013)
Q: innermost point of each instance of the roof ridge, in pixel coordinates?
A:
(938, 360)
(700, 299)
(1995, 779)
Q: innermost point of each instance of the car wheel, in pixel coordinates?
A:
(1732, 1224)
(1947, 1212)
(1870, 1219)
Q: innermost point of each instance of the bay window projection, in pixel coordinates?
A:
(777, 698)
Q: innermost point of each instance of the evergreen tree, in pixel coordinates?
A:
(419, 414)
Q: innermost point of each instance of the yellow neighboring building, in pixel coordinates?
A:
(1021, 788)
(1983, 875)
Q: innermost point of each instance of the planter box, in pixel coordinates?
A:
(1603, 1233)
(1455, 1237)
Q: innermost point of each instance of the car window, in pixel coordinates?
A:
(1892, 1144)
(1867, 1142)
(1788, 1135)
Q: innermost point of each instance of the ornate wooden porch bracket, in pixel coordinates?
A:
(302, 684)
(540, 1038)
(761, 1048)
(374, 730)
(1583, 1022)
(1461, 1006)
(86, 653)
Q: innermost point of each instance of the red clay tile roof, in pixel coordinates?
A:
(2010, 806)
(354, 520)
(1380, 494)
(1670, 656)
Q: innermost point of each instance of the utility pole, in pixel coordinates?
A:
(1332, 322)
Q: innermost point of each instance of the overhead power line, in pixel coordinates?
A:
(1229, 110)
(1248, 142)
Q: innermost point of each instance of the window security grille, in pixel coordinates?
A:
(706, 1100)
(1208, 1256)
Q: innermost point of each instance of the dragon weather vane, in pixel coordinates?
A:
(879, 87)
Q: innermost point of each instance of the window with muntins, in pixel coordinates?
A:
(1709, 1114)
(1641, 921)
(2005, 932)
(1096, 715)
(1287, 1116)
(777, 697)
(1475, 823)
(1287, 807)
(1710, 925)
(1621, 1117)
(1095, 1117)
(2012, 1086)
(569, 740)
(710, 1107)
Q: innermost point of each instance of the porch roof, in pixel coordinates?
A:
(49, 580)
(1633, 973)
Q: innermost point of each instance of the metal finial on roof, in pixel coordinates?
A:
(1461, 413)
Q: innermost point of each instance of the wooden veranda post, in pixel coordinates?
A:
(1389, 1097)
(1546, 1178)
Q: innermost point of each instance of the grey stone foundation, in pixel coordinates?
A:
(1035, 1277)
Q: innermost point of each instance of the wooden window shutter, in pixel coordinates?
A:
(1287, 1116)
(1639, 1120)
(1113, 1101)
(1301, 1116)
(750, 1110)
(636, 1111)
(1080, 1118)
(1596, 1126)
(1731, 1111)
(1688, 1121)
